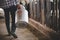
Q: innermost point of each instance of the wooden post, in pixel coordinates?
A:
(34, 10)
(31, 9)
(42, 11)
(59, 15)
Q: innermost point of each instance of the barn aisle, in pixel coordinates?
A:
(22, 33)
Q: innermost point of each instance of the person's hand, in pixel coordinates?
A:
(18, 6)
(19, 12)
(19, 9)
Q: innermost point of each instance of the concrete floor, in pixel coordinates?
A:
(22, 33)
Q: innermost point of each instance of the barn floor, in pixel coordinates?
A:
(26, 33)
(22, 33)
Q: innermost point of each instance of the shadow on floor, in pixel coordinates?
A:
(4, 37)
(21, 25)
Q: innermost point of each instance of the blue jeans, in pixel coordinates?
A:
(10, 11)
